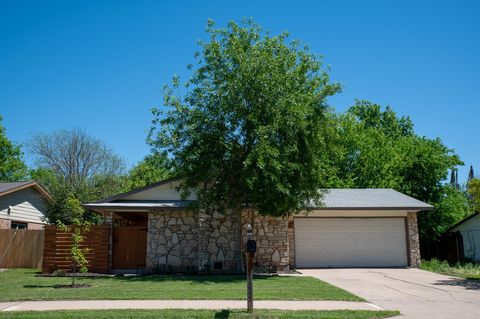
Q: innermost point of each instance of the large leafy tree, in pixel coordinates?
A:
(12, 167)
(151, 169)
(473, 190)
(451, 208)
(245, 131)
(373, 147)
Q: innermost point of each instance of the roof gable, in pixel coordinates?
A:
(464, 223)
(160, 191)
(11, 187)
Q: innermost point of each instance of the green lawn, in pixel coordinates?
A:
(23, 284)
(466, 270)
(198, 314)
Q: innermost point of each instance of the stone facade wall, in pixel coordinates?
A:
(208, 242)
(172, 240)
(272, 239)
(35, 226)
(218, 249)
(413, 240)
(5, 223)
(192, 241)
(291, 242)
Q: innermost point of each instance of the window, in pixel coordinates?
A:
(18, 225)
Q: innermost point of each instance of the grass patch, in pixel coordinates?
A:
(23, 284)
(464, 270)
(198, 314)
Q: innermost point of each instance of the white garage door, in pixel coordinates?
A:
(350, 242)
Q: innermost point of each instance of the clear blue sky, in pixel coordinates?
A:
(101, 65)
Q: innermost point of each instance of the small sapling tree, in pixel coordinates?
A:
(78, 228)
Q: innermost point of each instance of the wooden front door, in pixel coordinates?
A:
(129, 247)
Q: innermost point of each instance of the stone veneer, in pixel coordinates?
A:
(291, 242)
(35, 226)
(172, 239)
(187, 240)
(272, 239)
(218, 241)
(5, 223)
(413, 240)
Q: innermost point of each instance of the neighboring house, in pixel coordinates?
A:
(153, 227)
(469, 228)
(23, 205)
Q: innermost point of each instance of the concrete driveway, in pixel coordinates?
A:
(416, 293)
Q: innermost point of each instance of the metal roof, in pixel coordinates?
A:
(370, 198)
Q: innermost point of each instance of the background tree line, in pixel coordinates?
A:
(76, 168)
(364, 147)
(255, 123)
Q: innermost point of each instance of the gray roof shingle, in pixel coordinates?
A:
(4, 187)
(370, 198)
(336, 199)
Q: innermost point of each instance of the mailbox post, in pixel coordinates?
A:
(250, 251)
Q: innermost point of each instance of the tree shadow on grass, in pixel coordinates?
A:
(197, 279)
(222, 314)
(477, 278)
(38, 286)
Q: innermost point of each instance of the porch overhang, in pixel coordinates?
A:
(137, 206)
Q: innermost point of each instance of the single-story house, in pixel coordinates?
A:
(469, 228)
(23, 205)
(154, 228)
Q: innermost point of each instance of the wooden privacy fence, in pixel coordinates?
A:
(21, 248)
(56, 254)
(451, 247)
